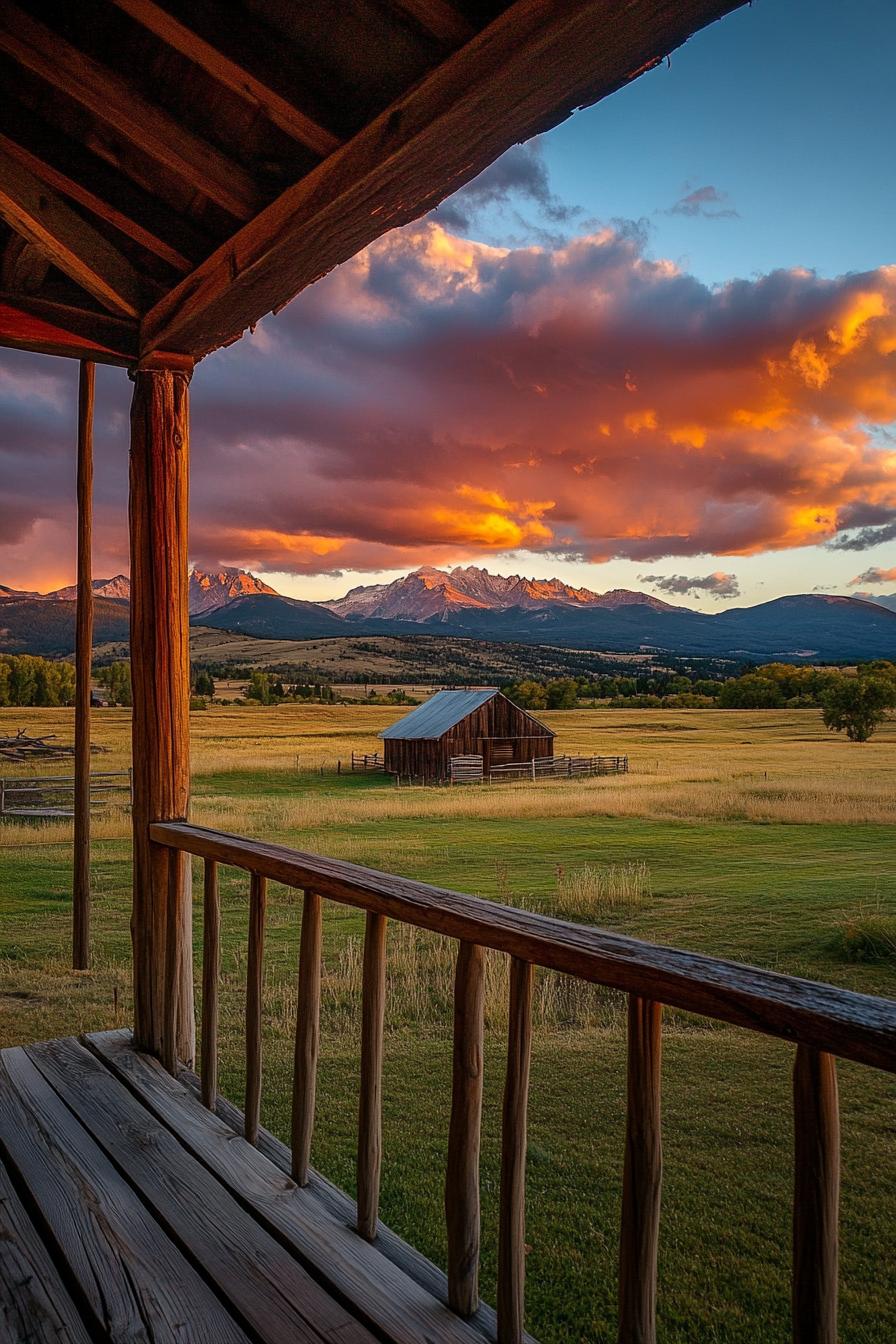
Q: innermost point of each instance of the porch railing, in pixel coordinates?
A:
(820, 1020)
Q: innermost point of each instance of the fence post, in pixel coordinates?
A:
(533, 769)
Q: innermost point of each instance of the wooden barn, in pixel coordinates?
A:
(463, 723)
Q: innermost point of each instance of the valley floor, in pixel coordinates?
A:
(755, 836)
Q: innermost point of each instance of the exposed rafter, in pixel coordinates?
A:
(39, 215)
(524, 73)
(77, 191)
(233, 74)
(113, 100)
(29, 323)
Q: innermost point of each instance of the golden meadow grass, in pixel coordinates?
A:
(755, 766)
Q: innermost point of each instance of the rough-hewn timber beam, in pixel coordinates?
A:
(234, 75)
(114, 101)
(83, 668)
(30, 323)
(524, 73)
(80, 192)
(31, 209)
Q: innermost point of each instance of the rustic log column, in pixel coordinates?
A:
(83, 661)
(160, 674)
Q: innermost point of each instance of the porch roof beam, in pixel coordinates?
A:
(524, 73)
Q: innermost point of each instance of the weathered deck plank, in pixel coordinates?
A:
(394, 1303)
(136, 1284)
(34, 1303)
(264, 1284)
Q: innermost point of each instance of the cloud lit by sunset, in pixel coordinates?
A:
(413, 405)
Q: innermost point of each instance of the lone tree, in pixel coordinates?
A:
(858, 705)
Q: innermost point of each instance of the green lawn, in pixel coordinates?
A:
(769, 893)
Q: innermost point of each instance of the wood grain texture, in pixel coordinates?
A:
(370, 1100)
(307, 1043)
(257, 1278)
(134, 1283)
(512, 1210)
(30, 322)
(438, 18)
(211, 974)
(462, 1214)
(854, 1026)
(115, 101)
(254, 987)
(160, 673)
(816, 1197)
(315, 1222)
(83, 672)
(642, 1176)
(525, 72)
(35, 1305)
(233, 74)
(32, 209)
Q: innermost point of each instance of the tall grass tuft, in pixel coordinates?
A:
(866, 934)
(595, 893)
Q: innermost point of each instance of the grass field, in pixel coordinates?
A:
(756, 836)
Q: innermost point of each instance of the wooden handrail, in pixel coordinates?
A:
(822, 1020)
(823, 1017)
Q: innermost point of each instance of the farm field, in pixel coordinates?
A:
(751, 835)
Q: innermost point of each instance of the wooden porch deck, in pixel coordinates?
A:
(128, 1211)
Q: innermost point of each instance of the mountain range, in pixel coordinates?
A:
(471, 602)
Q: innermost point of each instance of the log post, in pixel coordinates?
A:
(642, 1175)
(83, 661)
(160, 675)
(816, 1197)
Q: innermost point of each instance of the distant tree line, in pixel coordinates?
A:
(854, 703)
(28, 680)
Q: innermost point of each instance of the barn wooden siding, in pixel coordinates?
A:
(499, 731)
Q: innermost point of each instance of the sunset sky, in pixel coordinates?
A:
(655, 348)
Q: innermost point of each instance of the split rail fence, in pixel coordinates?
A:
(821, 1021)
(368, 761)
(34, 798)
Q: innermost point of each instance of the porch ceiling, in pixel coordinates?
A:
(171, 172)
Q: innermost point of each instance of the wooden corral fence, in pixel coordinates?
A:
(466, 769)
(367, 760)
(41, 799)
(821, 1021)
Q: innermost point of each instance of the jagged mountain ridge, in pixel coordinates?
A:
(209, 589)
(427, 593)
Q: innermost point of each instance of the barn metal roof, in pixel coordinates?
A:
(439, 713)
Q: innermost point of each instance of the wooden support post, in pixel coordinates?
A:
(462, 1174)
(304, 1078)
(642, 1177)
(512, 1212)
(254, 984)
(178, 863)
(816, 1196)
(370, 1104)
(83, 662)
(160, 674)
(211, 970)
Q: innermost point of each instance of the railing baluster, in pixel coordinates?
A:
(257, 903)
(176, 861)
(462, 1175)
(304, 1079)
(512, 1216)
(370, 1135)
(643, 1174)
(211, 969)
(816, 1195)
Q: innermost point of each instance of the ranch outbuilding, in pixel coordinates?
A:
(463, 723)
